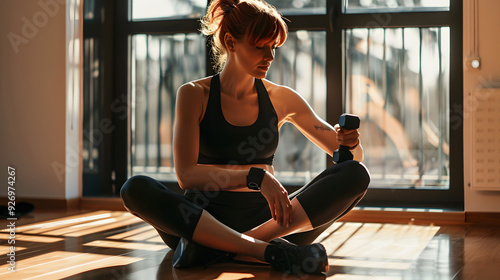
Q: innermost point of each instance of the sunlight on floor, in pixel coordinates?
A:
(80, 225)
(126, 245)
(4, 250)
(41, 239)
(56, 223)
(231, 276)
(370, 264)
(377, 241)
(118, 239)
(62, 264)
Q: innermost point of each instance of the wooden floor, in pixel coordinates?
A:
(117, 245)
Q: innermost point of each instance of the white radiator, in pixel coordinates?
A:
(484, 105)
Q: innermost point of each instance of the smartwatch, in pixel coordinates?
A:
(254, 178)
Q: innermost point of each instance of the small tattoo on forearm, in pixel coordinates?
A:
(322, 127)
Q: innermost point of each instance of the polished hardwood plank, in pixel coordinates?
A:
(106, 244)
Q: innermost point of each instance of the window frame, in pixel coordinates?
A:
(99, 180)
(332, 22)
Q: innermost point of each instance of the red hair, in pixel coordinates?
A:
(256, 19)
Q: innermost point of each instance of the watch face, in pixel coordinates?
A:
(253, 185)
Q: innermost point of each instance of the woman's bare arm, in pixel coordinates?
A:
(321, 133)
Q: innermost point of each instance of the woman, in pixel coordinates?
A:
(225, 136)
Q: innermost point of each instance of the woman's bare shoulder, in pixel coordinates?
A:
(197, 88)
(279, 92)
(286, 101)
(192, 97)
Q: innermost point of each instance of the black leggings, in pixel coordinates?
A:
(325, 199)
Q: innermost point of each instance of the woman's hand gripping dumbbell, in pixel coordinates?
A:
(348, 122)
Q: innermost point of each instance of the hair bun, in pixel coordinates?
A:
(227, 7)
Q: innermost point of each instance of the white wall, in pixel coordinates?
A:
(487, 76)
(33, 98)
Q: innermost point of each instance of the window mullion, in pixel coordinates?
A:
(162, 27)
(334, 85)
(307, 22)
(379, 20)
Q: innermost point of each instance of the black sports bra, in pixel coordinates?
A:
(224, 143)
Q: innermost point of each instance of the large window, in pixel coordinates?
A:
(159, 64)
(390, 62)
(397, 81)
(401, 61)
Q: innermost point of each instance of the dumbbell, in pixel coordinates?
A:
(346, 121)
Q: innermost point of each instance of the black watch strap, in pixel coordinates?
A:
(255, 177)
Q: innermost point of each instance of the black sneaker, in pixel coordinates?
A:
(189, 254)
(308, 259)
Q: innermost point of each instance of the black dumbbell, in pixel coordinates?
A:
(349, 122)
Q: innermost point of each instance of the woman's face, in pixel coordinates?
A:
(255, 60)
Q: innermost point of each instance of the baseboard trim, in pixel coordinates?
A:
(104, 203)
(405, 217)
(47, 203)
(483, 218)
